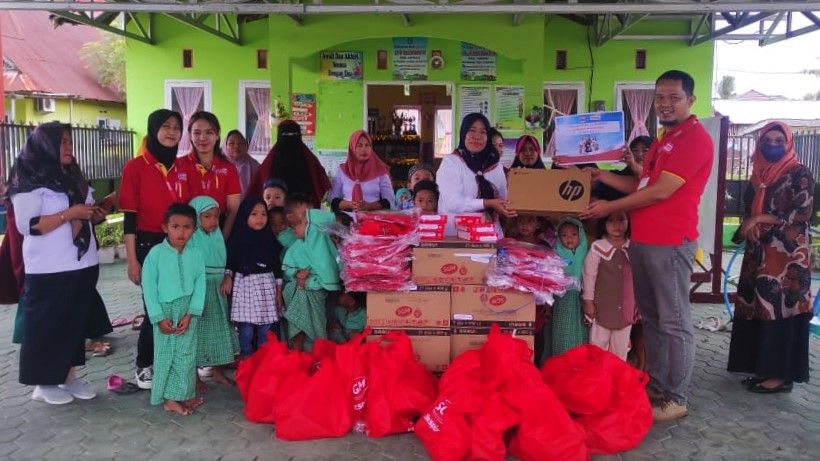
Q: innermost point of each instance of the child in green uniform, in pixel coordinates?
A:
(351, 316)
(568, 328)
(310, 270)
(174, 299)
(217, 343)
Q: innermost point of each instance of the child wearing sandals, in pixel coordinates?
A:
(217, 344)
(255, 271)
(173, 286)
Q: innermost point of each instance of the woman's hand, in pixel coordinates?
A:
(79, 211)
(500, 206)
(165, 327)
(596, 209)
(349, 205)
(750, 230)
(370, 206)
(227, 285)
(134, 271)
(594, 173)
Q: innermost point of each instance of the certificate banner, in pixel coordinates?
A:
(587, 138)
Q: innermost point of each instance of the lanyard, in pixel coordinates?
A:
(176, 192)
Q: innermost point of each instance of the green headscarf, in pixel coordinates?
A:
(574, 259)
(211, 245)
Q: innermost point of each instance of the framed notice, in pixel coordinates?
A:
(475, 99)
(340, 65)
(586, 138)
(410, 58)
(509, 107)
(477, 63)
(303, 112)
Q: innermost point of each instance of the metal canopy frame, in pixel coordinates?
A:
(611, 19)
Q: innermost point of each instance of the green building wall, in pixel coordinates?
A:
(76, 112)
(525, 57)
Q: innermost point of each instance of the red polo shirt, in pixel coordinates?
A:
(148, 189)
(685, 151)
(218, 182)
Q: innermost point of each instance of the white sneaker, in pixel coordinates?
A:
(79, 389)
(52, 395)
(205, 372)
(144, 376)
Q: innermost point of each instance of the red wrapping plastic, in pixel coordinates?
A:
(389, 223)
(532, 268)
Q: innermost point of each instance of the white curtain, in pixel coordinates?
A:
(260, 100)
(189, 99)
(562, 101)
(639, 103)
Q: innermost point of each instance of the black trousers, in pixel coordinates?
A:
(57, 307)
(145, 342)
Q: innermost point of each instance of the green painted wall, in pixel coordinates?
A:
(526, 56)
(82, 112)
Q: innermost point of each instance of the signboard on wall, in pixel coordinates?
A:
(509, 107)
(477, 63)
(475, 99)
(410, 58)
(340, 65)
(303, 112)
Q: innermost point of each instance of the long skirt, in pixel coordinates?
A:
(217, 343)
(771, 348)
(175, 357)
(57, 307)
(99, 324)
(306, 313)
(568, 329)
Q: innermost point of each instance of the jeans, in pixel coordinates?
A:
(246, 334)
(661, 275)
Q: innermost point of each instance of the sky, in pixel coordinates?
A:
(776, 69)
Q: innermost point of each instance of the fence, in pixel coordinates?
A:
(100, 152)
(739, 166)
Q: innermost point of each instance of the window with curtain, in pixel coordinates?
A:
(186, 100)
(639, 113)
(444, 132)
(564, 101)
(257, 120)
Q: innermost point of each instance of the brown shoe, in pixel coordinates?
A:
(668, 411)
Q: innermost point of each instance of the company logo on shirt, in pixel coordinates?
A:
(182, 176)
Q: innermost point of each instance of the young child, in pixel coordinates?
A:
(254, 268)
(351, 316)
(173, 286)
(609, 299)
(217, 344)
(277, 220)
(274, 193)
(425, 197)
(568, 329)
(418, 172)
(310, 268)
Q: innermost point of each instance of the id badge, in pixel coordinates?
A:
(643, 183)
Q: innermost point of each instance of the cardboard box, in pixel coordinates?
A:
(427, 307)
(548, 192)
(475, 308)
(431, 346)
(451, 261)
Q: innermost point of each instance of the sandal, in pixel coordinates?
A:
(136, 324)
(118, 385)
(120, 322)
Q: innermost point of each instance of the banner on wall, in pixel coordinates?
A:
(477, 63)
(303, 112)
(475, 99)
(410, 58)
(340, 65)
(509, 107)
(587, 138)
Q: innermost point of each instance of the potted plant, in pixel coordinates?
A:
(109, 236)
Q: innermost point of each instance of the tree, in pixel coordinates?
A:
(726, 87)
(106, 58)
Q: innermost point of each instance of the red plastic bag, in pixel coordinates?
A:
(248, 367)
(399, 388)
(320, 407)
(353, 361)
(578, 379)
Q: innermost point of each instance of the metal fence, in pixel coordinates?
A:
(100, 152)
(739, 166)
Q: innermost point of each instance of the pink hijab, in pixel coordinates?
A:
(359, 171)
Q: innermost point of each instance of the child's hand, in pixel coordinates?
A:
(227, 285)
(300, 230)
(589, 311)
(166, 327)
(280, 301)
(182, 326)
(301, 277)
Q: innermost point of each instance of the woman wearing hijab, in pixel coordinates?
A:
(770, 330)
(236, 150)
(291, 161)
(362, 183)
(151, 182)
(471, 178)
(528, 153)
(54, 209)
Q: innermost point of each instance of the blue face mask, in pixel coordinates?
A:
(772, 152)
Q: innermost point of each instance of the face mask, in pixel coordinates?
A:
(772, 152)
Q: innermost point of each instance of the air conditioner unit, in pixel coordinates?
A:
(45, 104)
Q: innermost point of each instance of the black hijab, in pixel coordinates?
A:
(251, 251)
(479, 162)
(165, 155)
(38, 165)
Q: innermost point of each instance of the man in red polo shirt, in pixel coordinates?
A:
(663, 205)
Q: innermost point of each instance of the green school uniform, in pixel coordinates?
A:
(217, 343)
(351, 322)
(173, 285)
(568, 329)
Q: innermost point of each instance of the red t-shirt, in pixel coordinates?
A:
(148, 189)
(218, 182)
(685, 151)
